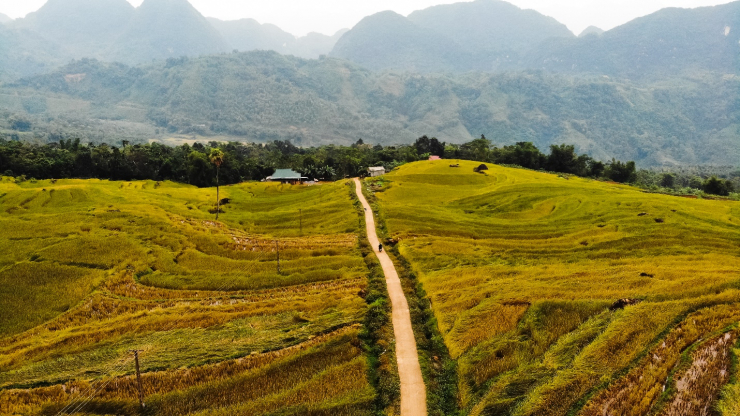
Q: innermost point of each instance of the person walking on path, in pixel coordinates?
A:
(413, 390)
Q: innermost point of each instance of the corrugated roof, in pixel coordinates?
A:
(286, 174)
(376, 169)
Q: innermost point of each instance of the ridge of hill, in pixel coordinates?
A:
(483, 35)
(163, 29)
(387, 40)
(23, 51)
(5, 18)
(492, 35)
(493, 32)
(669, 42)
(84, 28)
(591, 30)
(264, 96)
(314, 44)
(248, 35)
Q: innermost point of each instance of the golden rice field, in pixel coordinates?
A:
(90, 270)
(523, 269)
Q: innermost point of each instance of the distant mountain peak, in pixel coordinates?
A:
(478, 35)
(5, 19)
(591, 30)
(84, 28)
(167, 28)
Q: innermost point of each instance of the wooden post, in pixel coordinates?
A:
(300, 216)
(138, 378)
(277, 248)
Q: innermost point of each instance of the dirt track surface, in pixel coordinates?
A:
(413, 390)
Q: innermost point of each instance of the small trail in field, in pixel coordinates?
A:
(413, 390)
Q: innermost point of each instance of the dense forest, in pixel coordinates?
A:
(249, 161)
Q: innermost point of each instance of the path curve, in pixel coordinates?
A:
(413, 390)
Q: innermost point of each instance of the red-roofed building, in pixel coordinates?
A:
(435, 158)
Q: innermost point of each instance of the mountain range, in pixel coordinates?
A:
(249, 35)
(492, 35)
(113, 30)
(662, 89)
(668, 42)
(265, 96)
(482, 35)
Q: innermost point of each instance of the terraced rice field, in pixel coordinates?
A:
(523, 271)
(90, 270)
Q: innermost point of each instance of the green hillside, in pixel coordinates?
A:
(263, 96)
(524, 271)
(93, 269)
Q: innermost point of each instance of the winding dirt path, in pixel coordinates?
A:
(413, 391)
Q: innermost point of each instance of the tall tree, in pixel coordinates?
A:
(217, 158)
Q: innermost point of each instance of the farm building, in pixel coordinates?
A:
(376, 171)
(286, 176)
(435, 158)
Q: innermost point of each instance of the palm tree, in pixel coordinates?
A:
(217, 158)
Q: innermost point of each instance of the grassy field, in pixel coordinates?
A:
(90, 270)
(523, 269)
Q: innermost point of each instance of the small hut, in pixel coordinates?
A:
(435, 158)
(376, 171)
(480, 168)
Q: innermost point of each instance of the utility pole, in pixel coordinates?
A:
(277, 248)
(138, 378)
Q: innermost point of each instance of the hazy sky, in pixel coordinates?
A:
(327, 16)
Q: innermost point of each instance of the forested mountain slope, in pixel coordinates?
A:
(164, 29)
(83, 28)
(261, 96)
(480, 35)
(387, 40)
(669, 42)
(494, 33)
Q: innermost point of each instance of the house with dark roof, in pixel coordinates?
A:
(286, 176)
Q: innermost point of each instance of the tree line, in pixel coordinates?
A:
(252, 161)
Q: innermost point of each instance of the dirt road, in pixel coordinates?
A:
(413, 391)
